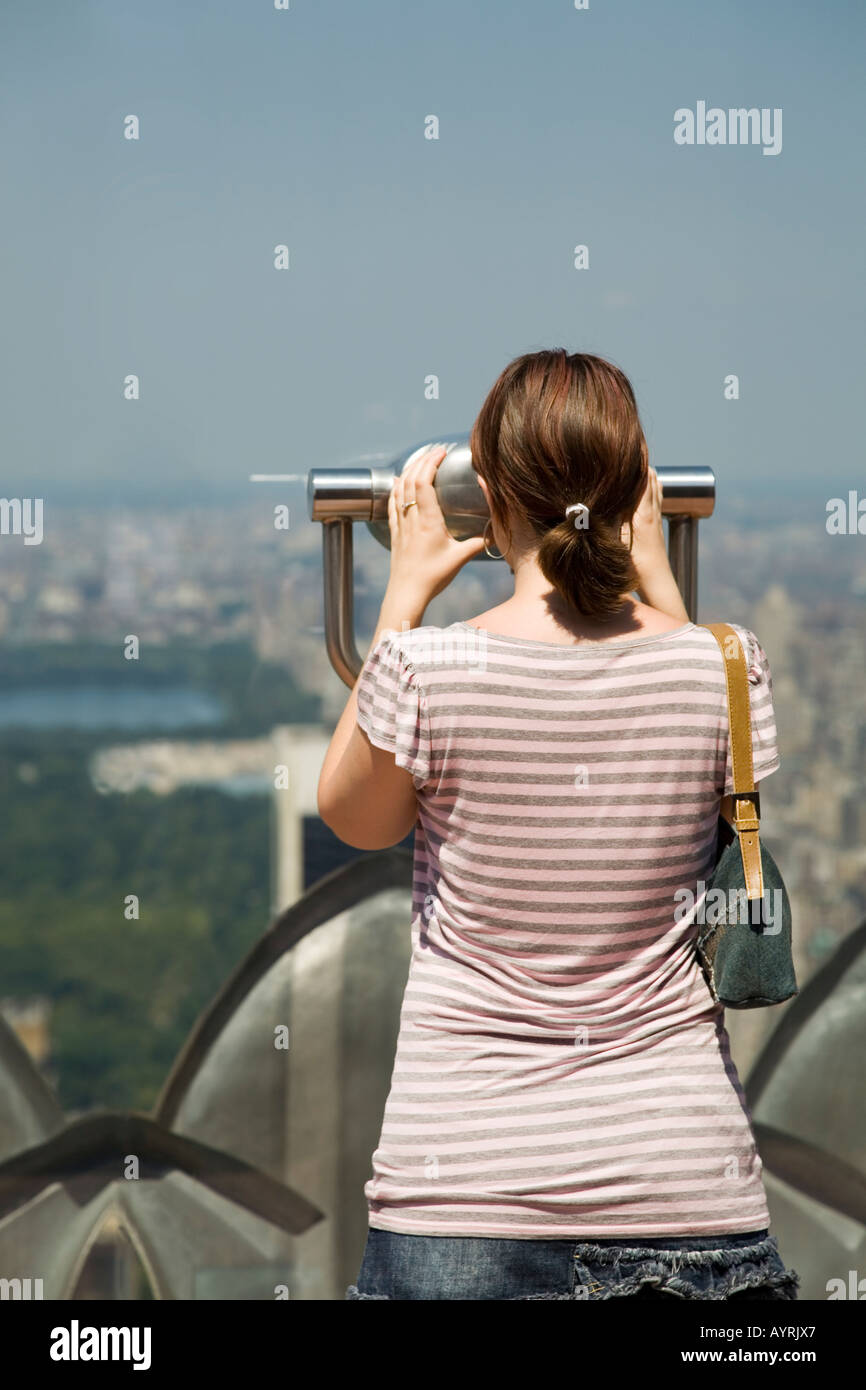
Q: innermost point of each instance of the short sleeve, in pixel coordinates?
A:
(393, 709)
(765, 751)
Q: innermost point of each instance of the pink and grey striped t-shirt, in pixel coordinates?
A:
(561, 1067)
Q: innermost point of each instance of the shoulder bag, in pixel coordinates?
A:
(744, 942)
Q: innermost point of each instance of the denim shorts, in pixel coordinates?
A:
(733, 1267)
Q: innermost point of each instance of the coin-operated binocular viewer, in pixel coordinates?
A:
(339, 497)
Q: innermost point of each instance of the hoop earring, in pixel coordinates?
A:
(486, 549)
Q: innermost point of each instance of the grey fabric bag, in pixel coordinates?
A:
(745, 945)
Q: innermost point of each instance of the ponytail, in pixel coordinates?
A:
(590, 566)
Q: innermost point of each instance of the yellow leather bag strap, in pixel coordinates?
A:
(741, 809)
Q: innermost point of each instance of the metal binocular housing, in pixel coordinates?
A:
(340, 497)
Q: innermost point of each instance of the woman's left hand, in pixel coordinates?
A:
(424, 555)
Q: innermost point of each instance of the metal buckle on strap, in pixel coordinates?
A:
(745, 810)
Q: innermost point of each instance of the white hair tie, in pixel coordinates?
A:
(581, 515)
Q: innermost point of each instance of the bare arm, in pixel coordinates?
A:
(364, 796)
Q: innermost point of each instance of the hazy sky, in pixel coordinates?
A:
(411, 256)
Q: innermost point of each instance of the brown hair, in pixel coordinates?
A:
(555, 430)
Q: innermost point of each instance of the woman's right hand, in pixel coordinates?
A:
(648, 549)
(656, 583)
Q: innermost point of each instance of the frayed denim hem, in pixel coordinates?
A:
(786, 1284)
(715, 1274)
(605, 1272)
(722, 1258)
(783, 1286)
(620, 1272)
